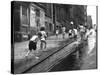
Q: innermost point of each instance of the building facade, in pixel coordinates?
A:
(62, 15)
(37, 18)
(20, 20)
(78, 15)
(28, 17)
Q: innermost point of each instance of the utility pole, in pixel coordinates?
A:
(54, 16)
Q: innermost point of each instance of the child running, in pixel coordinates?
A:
(75, 33)
(70, 33)
(33, 45)
(57, 32)
(43, 38)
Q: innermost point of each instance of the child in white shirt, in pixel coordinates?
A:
(33, 45)
(43, 37)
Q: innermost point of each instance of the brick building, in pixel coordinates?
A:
(28, 17)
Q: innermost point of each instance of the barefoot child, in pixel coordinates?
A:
(70, 33)
(43, 38)
(33, 45)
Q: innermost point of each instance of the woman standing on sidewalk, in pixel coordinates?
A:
(91, 36)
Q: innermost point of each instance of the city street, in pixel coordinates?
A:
(53, 44)
(71, 63)
(20, 49)
(34, 23)
(87, 61)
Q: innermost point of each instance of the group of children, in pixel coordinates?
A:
(63, 32)
(41, 35)
(85, 34)
(73, 33)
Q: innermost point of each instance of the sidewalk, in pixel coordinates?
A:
(20, 49)
(20, 63)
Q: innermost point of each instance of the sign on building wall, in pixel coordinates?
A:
(32, 17)
(24, 15)
(42, 18)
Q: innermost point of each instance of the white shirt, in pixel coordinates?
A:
(82, 29)
(34, 38)
(57, 31)
(92, 33)
(91, 40)
(43, 35)
(75, 30)
(70, 31)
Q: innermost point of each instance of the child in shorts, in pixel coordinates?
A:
(33, 45)
(70, 33)
(43, 37)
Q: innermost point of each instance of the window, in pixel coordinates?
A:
(24, 15)
(37, 12)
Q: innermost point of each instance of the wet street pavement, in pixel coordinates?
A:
(72, 63)
(20, 62)
(67, 64)
(86, 62)
(20, 49)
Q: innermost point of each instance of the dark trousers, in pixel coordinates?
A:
(32, 45)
